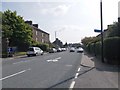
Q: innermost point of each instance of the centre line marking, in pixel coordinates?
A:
(14, 74)
(21, 62)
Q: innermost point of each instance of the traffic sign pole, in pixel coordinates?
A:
(102, 53)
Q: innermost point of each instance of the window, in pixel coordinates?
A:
(42, 40)
(42, 34)
(36, 32)
(36, 39)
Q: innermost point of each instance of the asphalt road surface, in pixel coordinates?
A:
(55, 70)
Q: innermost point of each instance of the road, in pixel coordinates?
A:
(67, 70)
(55, 70)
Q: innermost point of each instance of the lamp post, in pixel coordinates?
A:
(102, 53)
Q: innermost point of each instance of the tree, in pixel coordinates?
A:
(114, 29)
(14, 28)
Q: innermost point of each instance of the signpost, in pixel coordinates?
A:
(96, 30)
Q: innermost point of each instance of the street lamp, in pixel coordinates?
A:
(102, 53)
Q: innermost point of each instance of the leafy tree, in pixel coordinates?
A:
(14, 28)
(114, 30)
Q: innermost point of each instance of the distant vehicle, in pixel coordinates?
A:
(63, 49)
(59, 50)
(72, 49)
(52, 50)
(34, 51)
(80, 50)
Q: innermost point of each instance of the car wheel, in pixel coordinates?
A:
(28, 55)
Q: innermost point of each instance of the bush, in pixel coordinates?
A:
(43, 46)
(111, 47)
(98, 48)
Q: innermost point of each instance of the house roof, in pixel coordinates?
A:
(38, 29)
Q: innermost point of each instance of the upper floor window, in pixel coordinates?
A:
(42, 40)
(36, 39)
(36, 32)
(42, 34)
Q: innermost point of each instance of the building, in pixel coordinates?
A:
(38, 34)
(58, 43)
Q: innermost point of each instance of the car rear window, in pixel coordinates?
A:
(30, 49)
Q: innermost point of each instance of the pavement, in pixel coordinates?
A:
(86, 61)
(95, 74)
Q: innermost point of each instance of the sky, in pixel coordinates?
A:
(72, 20)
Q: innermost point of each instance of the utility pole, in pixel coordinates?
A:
(102, 52)
(55, 35)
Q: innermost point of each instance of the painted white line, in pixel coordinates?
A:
(72, 85)
(49, 60)
(14, 74)
(20, 62)
(79, 69)
(54, 60)
(76, 76)
(58, 58)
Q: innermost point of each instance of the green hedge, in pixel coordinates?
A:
(98, 48)
(111, 49)
(43, 46)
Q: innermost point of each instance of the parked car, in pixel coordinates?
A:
(59, 50)
(52, 50)
(34, 51)
(80, 50)
(72, 49)
(63, 49)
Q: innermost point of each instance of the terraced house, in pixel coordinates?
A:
(38, 34)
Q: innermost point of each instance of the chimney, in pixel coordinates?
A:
(35, 25)
(28, 22)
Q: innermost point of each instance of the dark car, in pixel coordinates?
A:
(52, 50)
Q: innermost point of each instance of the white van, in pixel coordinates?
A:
(34, 51)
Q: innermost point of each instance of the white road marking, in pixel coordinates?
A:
(79, 69)
(76, 76)
(54, 60)
(58, 58)
(49, 60)
(20, 62)
(14, 74)
(72, 85)
(73, 82)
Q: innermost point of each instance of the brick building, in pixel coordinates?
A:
(38, 34)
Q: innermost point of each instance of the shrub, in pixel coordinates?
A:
(98, 48)
(111, 47)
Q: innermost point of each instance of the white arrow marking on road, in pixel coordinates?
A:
(49, 60)
(54, 60)
(58, 58)
(14, 74)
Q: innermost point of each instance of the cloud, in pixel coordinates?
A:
(60, 10)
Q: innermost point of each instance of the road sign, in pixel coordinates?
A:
(96, 30)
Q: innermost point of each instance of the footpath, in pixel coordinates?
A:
(101, 75)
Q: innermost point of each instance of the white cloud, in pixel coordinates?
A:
(56, 11)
